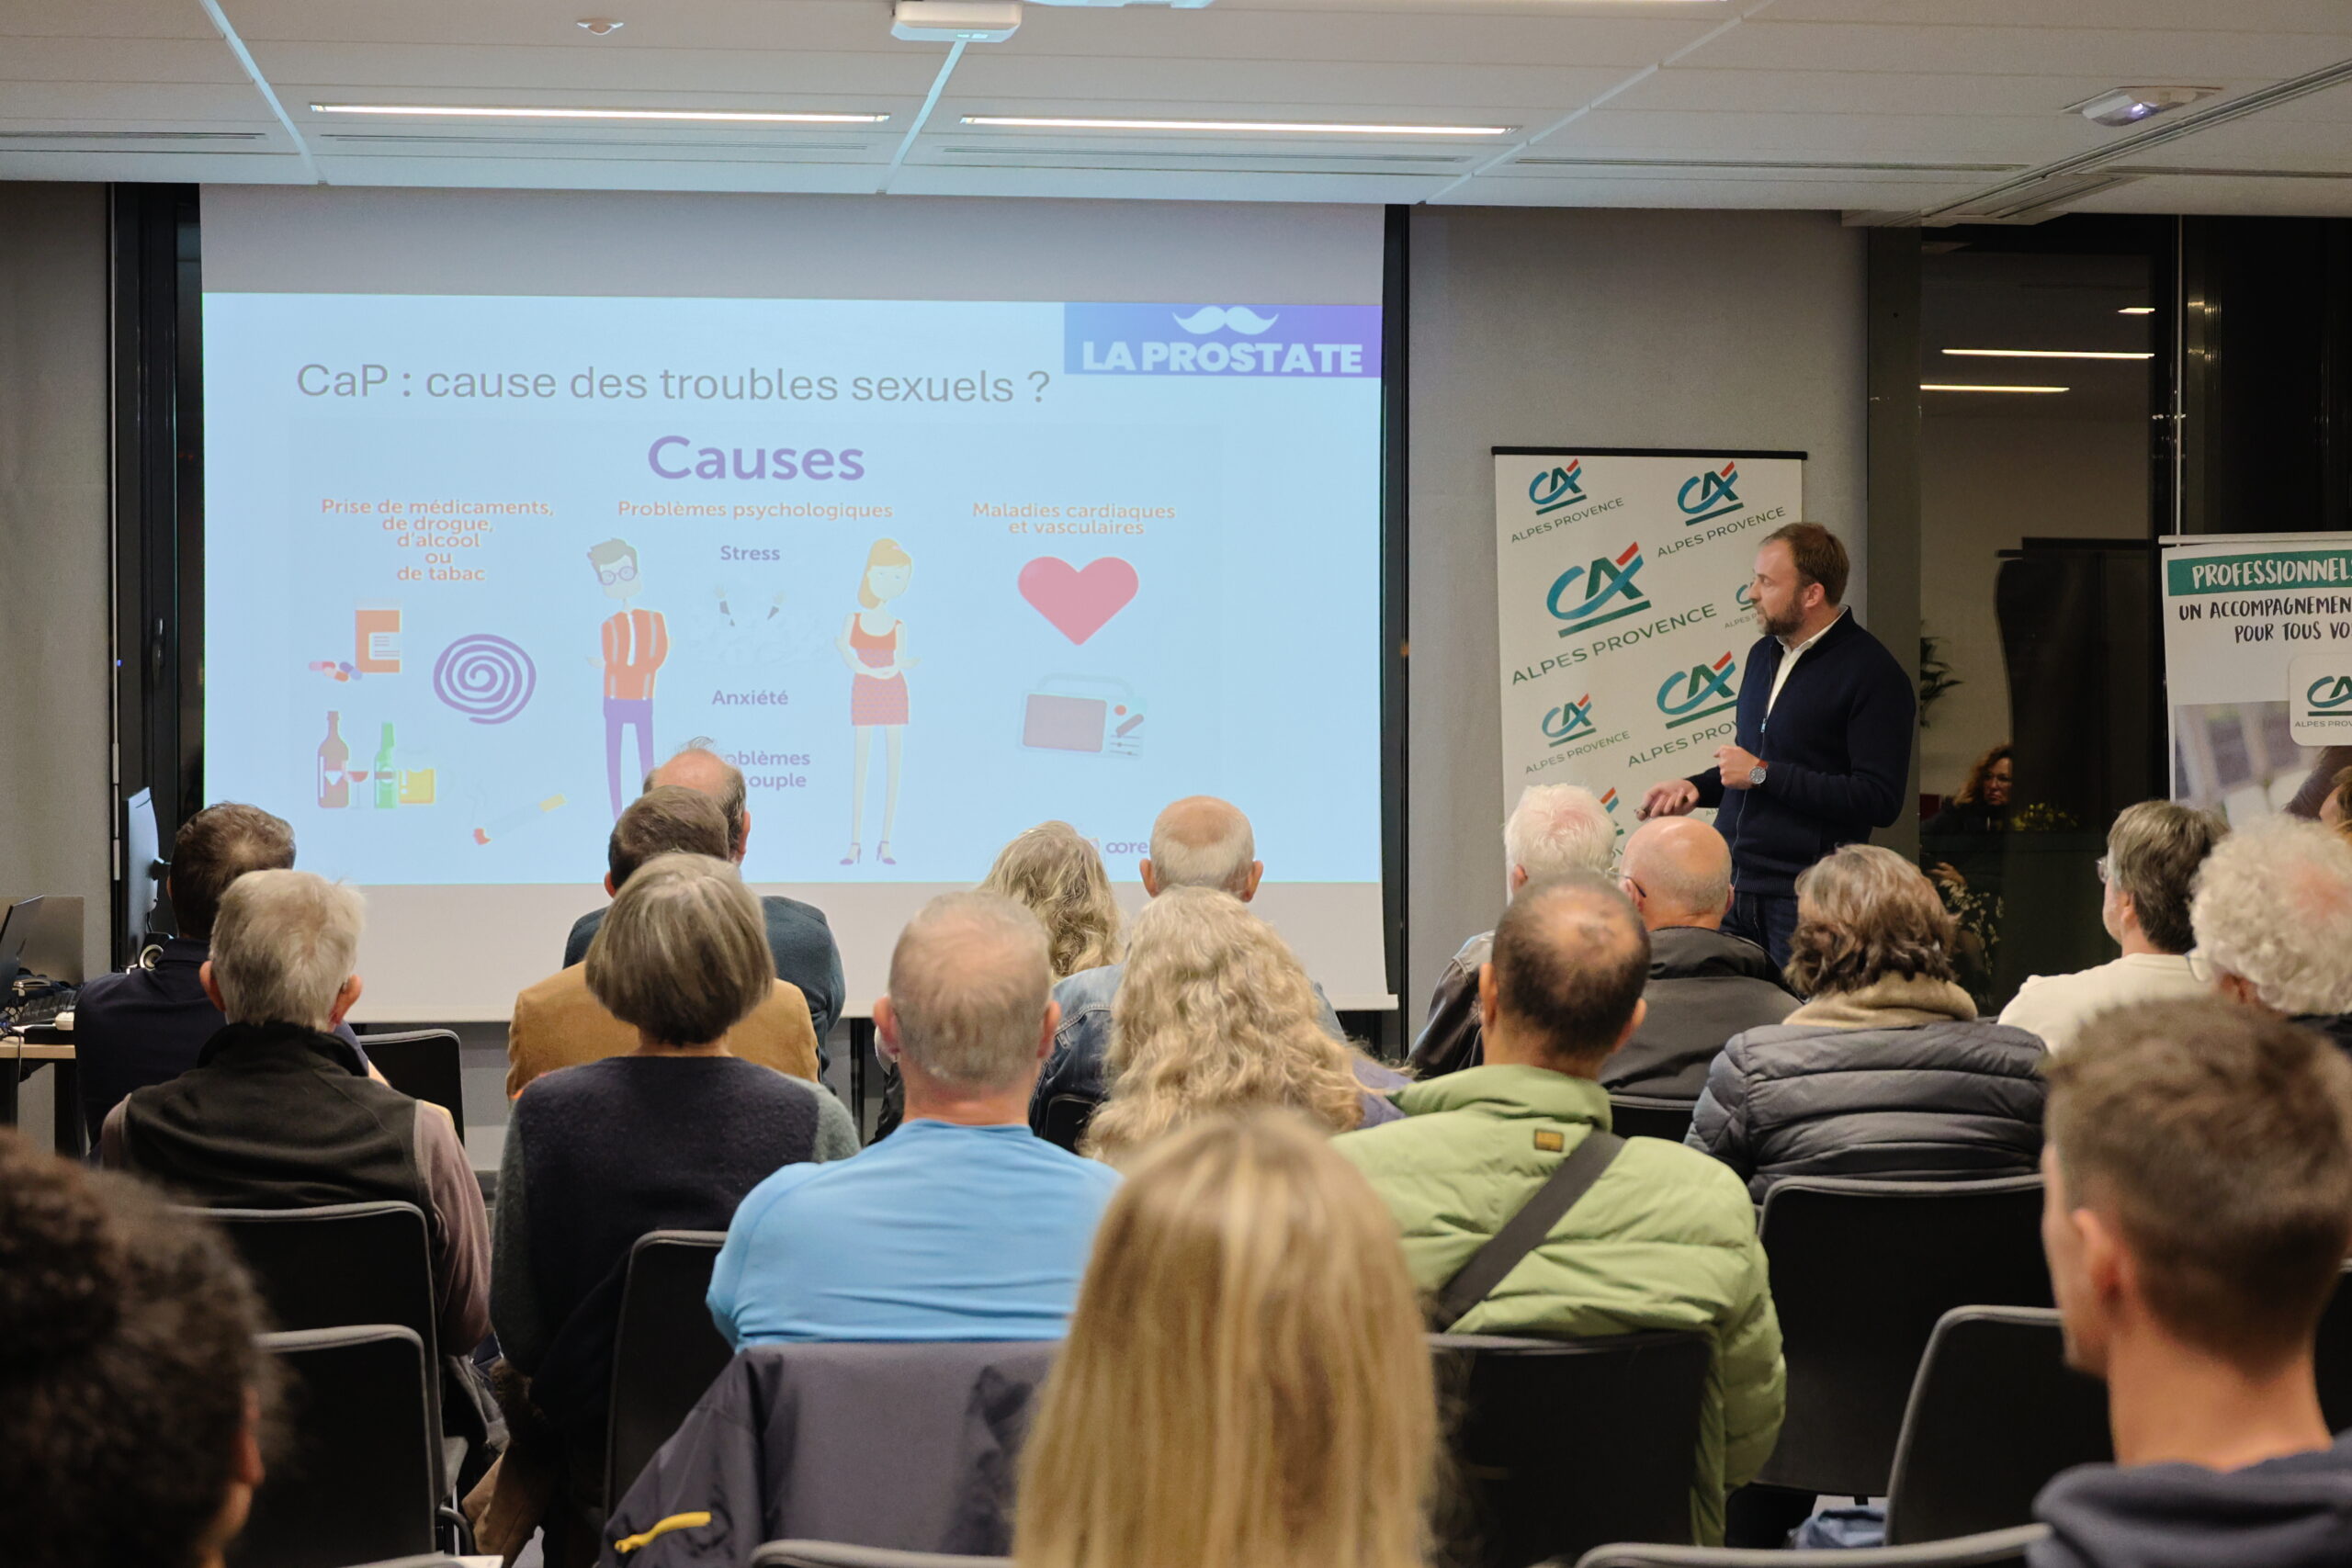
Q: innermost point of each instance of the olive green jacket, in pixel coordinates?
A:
(1665, 1239)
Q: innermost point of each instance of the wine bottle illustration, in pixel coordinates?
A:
(388, 782)
(334, 789)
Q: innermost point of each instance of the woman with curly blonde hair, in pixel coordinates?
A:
(1214, 1014)
(1056, 874)
(1246, 1383)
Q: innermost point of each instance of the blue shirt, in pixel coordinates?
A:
(938, 1232)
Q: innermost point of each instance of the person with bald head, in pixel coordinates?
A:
(1198, 842)
(962, 1224)
(1705, 984)
(798, 935)
(1660, 1238)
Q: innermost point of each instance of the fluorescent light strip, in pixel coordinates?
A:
(476, 112)
(2137, 310)
(1262, 126)
(1976, 386)
(2045, 354)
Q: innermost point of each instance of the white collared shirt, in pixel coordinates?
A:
(1789, 660)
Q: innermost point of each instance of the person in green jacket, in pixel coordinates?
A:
(1665, 1239)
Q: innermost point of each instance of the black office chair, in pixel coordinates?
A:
(1645, 1116)
(422, 1064)
(2002, 1549)
(666, 1350)
(1994, 1414)
(840, 1554)
(2334, 1356)
(359, 1481)
(1531, 1479)
(1861, 1272)
(1067, 1119)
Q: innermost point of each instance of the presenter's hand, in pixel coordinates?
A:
(1736, 765)
(1676, 797)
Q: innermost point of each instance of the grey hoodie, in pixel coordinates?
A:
(2283, 1512)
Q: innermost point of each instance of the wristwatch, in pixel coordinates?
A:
(1756, 776)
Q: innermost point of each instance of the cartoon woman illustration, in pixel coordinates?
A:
(874, 645)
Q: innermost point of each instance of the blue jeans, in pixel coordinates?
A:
(1767, 920)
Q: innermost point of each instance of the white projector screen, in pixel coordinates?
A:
(509, 494)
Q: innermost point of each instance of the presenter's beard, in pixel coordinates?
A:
(1780, 628)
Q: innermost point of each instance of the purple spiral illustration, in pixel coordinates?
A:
(488, 679)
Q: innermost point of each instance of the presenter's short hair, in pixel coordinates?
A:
(683, 953)
(969, 982)
(284, 943)
(2153, 854)
(1863, 914)
(2221, 1139)
(214, 848)
(1820, 556)
(665, 819)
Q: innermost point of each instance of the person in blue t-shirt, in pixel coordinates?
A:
(962, 1224)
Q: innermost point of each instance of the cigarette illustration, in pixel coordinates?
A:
(514, 819)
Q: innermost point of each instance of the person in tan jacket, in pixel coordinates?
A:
(558, 1023)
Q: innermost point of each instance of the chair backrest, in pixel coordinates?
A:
(1558, 1445)
(1066, 1118)
(2001, 1549)
(1645, 1116)
(356, 1482)
(422, 1064)
(840, 1554)
(1994, 1414)
(2334, 1356)
(665, 1350)
(340, 1265)
(1861, 1272)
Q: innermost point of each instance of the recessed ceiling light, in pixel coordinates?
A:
(2129, 106)
(2137, 310)
(602, 26)
(1974, 387)
(2048, 353)
(1260, 127)
(480, 111)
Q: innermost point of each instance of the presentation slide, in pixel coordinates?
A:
(928, 571)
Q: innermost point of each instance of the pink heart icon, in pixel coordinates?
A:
(1079, 603)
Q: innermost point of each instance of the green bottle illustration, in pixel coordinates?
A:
(388, 782)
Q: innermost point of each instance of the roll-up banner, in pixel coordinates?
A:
(1621, 592)
(2258, 665)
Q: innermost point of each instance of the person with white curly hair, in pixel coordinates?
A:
(2273, 921)
(1554, 830)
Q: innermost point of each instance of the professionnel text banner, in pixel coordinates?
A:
(1622, 603)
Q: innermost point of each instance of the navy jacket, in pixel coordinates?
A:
(1837, 751)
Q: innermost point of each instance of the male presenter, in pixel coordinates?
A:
(1823, 752)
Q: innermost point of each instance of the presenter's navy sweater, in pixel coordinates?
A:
(1838, 756)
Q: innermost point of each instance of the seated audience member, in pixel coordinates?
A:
(797, 933)
(2273, 918)
(1664, 1239)
(960, 1226)
(146, 1024)
(1245, 1381)
(2153, 854)
(1056, 874)
(132, 1393)
(275, 1114)
(559, 1023)
(669, 1136)
(2198, 1211)
(1200, 842)
(1554, 829)
(1706, 985)
(1885, 1071)
(1215, 1015)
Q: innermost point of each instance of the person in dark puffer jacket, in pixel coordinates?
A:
(1886, 1071)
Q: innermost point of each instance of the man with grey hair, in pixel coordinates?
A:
(798, 935)
(1199, 842)
(1556, 830)
(2273, 921)
(2154, 852)
(277, 1115)
(961, 1224)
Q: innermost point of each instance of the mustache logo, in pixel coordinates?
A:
(1240, 318)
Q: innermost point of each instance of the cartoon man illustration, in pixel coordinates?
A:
(635, 644)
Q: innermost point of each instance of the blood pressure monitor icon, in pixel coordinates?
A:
(1083, 713)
